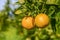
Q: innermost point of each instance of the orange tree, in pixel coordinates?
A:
(11, 25)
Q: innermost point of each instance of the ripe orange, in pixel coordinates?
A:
(18, 12)
(28, 22)
(41, 20)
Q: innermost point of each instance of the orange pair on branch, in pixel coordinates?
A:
(41, 20)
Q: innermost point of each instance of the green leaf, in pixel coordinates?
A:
(55, 2)
(50, 1)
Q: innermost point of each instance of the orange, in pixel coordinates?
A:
(41, 20)
(28, 22)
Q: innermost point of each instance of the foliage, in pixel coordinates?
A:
(11, 28)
